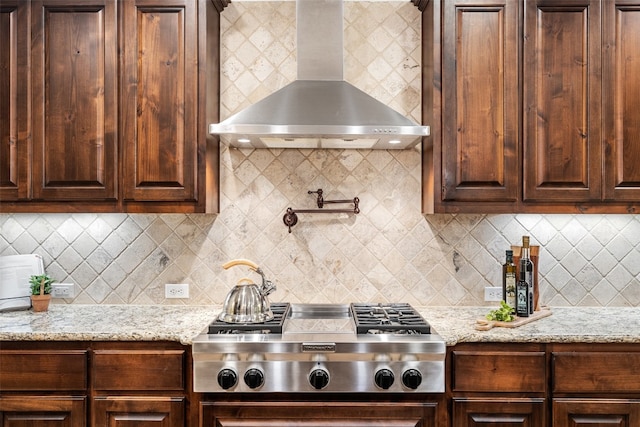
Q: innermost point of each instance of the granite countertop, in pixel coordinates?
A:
(75, 322)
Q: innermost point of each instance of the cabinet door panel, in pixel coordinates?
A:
(42, 411)
(129, 411)
(562, 75)
(74, 99)
(595, 412)
(480, 101)
(160, 100)
(621, 102)
(317, 414)
(14, 118)
(505, 412)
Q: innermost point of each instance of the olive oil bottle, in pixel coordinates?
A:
(509, 280)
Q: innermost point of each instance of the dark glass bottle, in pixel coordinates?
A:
(526, 266)
(509, 280)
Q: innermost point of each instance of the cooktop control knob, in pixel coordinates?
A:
(384, 378)
(319, 378)
(227, 378)
(254, 378)
(412, 378)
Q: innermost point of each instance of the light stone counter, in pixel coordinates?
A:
(565, 325)
(76, 322)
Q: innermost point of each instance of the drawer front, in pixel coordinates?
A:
(41, 370)
(601, 372)
(138, 370)
(485, 371)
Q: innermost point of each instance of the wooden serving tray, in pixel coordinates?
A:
(485, 324)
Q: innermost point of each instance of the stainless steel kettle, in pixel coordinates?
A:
(247, 302)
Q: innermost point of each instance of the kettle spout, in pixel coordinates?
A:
(267, 285)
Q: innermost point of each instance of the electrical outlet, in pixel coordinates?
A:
(176, 290)
(493, 293)
(63, 290)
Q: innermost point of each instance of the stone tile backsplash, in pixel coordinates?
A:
(388, 252)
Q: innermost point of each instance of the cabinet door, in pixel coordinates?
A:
(14, 108)
(74, 61)
(562, 141)
(317, 414)
(139, 411)
(42, 411)
(595, 412)
(621, 86)
(488, 412)
(159, 105)
(480, 111)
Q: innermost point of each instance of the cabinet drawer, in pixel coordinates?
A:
(601, 372)
(138, 370)
(43, 370)
(499, 371)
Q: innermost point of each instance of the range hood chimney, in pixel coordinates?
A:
(319, 109)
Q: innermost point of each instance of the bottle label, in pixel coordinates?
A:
(510, 282)
(522, 299)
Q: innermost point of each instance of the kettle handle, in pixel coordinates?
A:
(235, 262)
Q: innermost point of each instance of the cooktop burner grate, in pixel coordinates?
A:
(273, 326)
(387, 318)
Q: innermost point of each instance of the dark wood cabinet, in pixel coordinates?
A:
(595, 412)
(15, 39)
(160, 100)
(595, 385)
(498, 385)
(42, 411)
(107, 105)
(562, 76)
(318, 414)
(145, 383)
(121, 411)
(512, 412)
(545, 119)
(74, 96)
(43, 386)
(621, 102)
(480, 120)
(99, 384)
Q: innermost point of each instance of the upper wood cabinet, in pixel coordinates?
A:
(562, 143)
(74, 95)
(15, 39)
(479, 101)
(621, 100)
(533, 106)
(160, 100)
(107, 106)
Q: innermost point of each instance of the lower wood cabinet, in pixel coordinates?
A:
(120, 411)
(26, 410)
(318, 414)
(596, 412)
(98, 384)
(500, 411)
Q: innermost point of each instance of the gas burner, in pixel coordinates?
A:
(273, 326)
(388, 318)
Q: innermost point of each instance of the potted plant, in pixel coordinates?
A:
(40, 291)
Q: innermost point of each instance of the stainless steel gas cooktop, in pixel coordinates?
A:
(322, 348)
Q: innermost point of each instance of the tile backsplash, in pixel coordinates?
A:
(388, 252)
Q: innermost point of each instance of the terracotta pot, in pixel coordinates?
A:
(40, 302)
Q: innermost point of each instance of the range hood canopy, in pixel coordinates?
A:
(320, 109)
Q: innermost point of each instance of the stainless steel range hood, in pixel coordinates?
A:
(320, 109)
